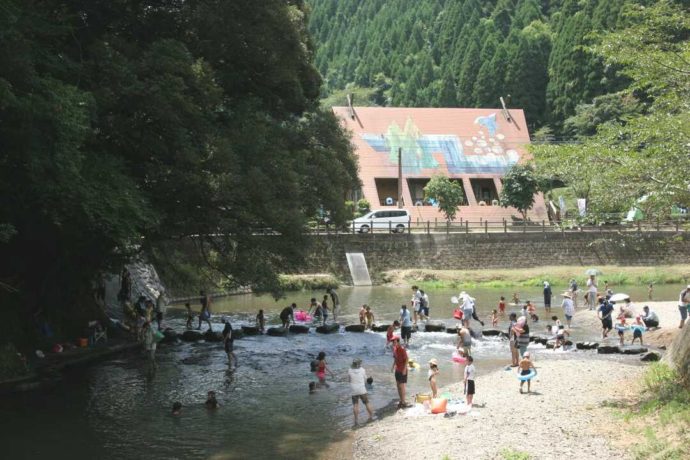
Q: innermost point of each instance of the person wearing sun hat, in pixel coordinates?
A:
(568, 307)
(358, 377)
(433, 372)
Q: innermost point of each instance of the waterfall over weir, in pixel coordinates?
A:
(358, 269)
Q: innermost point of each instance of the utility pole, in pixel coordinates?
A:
(400, 187)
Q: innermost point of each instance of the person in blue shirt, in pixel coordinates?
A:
(604, 313)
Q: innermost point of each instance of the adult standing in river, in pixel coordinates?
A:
(336, 302)
(415, 302)
(400, 360)
(406, 324)
(568, 307)
(161, 308)
(228, 343)
(287, 314)
(205, 314)
(592, 292)
(684, 305)
(547, 297)
(604, 313)
(512, 340)
(358, 377)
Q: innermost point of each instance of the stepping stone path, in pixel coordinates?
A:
(328, 329)
(277, 331)
(299, 329)
(355, 328)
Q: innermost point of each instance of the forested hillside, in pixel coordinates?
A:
(448, 53)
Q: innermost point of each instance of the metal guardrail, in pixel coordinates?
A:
(418, 226)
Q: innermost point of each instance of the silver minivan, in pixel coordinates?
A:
(397, 220)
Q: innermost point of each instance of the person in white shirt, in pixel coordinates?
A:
(358, 377)
(650, 318)
(592, 292)
(568, 307)
(469, 380)
(415, 302)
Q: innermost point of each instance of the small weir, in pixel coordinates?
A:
(358, 269)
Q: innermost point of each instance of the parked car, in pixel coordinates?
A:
(397, 220)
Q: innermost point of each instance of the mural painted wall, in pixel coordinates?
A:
(483, 153)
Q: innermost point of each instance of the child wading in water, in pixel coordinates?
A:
(322, 368)
(469, 380)
(502, 305)
(494, 318)
(638, 328)
(433, 372)
(525, 368)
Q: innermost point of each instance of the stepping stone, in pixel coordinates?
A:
(277, 331)
(492, 332)
(213, 336)
(170, 336)
(380, 327)
(191, 336)
(354, 328)
(633, 350)
(435, 327)
(328, 328)
(299, 329)
(608, 349)
(586, 345)
(250, 330)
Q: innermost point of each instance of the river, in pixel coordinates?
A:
(118, 410)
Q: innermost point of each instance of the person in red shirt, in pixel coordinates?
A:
(400, 360)
(389, 333)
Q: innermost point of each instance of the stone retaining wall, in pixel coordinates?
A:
(495, 250)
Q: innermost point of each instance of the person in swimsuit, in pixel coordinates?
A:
(228, 342)
(369, 317)
(336, 302)
(324, 309)
(190, 315)
(389, 333)
(502, 305)
(261, 321)
(322, 368)
(363, 315)
(526, 366)
(205, 314)
(211, 401)
(433, 372)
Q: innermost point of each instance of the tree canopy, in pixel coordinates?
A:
(127, 125)
(447, 193)
(520, 185)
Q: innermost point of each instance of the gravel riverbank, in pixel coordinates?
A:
(561, 418)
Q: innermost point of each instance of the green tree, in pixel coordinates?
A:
(520, 185)
(447, 193)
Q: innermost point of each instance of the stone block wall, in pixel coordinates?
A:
(495, 250)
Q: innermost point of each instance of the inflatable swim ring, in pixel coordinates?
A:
(638, 327)
(530, 376)
(458, 358)
(301, 315)
(413, 365)
(621, 328)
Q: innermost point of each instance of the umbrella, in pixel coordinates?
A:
(593, 271)
(618, 297)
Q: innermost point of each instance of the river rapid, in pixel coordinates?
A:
(120, 410)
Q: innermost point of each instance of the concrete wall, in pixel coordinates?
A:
(497, 250)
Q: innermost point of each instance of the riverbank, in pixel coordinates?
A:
(567, 415)
(557, 420)
(556, 275)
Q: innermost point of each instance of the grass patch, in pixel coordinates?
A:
(533, 277)
(511, 454)
(665, 412)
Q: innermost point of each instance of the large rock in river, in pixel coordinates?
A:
(213, 336)
(170, 336)
(354, 328)
(608, 349)
(434, 326)
(250, 330)
(633, 350)
(191, 336)
(650, 356)
(299, 329)
(328, 328)
(586, 345)
(380, 327)
(277, 331)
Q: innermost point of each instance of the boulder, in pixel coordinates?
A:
(651, 356)
(299, 329)
(490, 332)
(380, 327)
(213, 336)
(277, 331)
(586, 345)
(170, 336)
(435, 326)
(191, 336)
(608, 349)
(452, 330)
(540, 339)
(328, 328)
(237, 334)
(633, 350)
(354, 328)
(250, 330)
(551, 343)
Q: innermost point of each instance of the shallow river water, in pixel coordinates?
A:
(119, 410)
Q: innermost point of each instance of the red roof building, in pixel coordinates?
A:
(474, 146)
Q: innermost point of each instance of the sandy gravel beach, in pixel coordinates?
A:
(562, 417)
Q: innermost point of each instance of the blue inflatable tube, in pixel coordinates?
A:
(530, 376)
